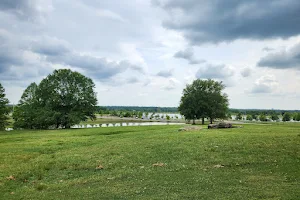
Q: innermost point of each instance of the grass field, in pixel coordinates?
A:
(155, 162)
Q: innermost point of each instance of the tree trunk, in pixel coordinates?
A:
(211, 120)
(202, 120)
(194, 122)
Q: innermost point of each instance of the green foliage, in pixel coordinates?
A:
(296, 116)
(139, 109)
(274, 117)
(168, 117)
(62, 99)
(286, 117)
(140, 115)
(204, 98)
(4, 110)
(263, 118)
(254, 116)
(249, 117)
(239, 116)
(27, 112)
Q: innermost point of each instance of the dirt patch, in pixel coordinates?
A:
(190, 128)
(158, 164)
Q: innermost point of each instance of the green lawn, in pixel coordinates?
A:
(254, 162)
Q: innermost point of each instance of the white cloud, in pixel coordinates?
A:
(215, 71)
(265, 84)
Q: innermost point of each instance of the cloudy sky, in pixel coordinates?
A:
(144, 52)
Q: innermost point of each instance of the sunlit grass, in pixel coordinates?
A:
(156, 162)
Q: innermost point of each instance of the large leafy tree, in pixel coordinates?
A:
(3, 108)
(62, 99)
(69, 96)
(204, 98)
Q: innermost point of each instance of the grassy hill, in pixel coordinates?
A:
(157, 162)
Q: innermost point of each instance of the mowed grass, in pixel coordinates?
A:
(253, 162)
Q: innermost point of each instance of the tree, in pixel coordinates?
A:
(62, 99)
(254, 116)
(70, 95)
(297, 117)
(262, 117)
(239, 116)
(286, 117)
(26, 112)
(249, 117)
(203, 98)
(168, 117)
(274, 117)
(3, 109)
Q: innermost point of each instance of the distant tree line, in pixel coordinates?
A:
(266, 116)
(65, 98)
(260, 111)
(107, 109)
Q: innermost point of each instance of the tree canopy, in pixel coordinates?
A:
(204, 98)
(3, 108)
(62, 99)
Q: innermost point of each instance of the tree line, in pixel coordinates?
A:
(65, 98)
(149, 109)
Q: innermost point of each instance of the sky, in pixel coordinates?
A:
(145, 52)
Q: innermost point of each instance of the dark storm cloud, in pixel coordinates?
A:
(57, 52)
(216, 21)
(284, 59)
(188, 54)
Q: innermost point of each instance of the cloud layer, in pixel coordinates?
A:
(216, 21)
(27, 9)
(284, 59)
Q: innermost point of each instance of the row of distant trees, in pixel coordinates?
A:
(287, 116)
(144, 109)
(136, 114)
(65, 98)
